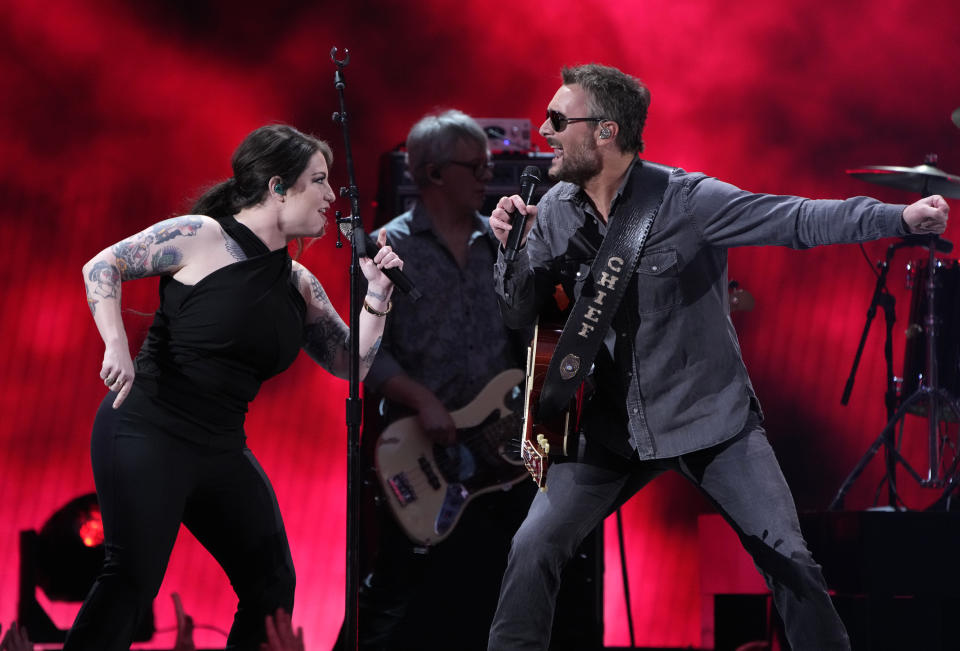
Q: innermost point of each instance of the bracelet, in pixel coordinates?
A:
(374, 312)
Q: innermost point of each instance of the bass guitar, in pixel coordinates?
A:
(428, 485)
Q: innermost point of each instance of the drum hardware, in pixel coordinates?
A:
(926, 179)
(929, 398)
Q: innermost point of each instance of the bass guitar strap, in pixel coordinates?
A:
(600, 295)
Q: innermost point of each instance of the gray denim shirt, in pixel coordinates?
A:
(452, 340)
(676, 376)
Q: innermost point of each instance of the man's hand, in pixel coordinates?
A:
(500, 219)
(927, 216)
(436, 421)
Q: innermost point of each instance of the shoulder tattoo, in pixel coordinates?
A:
(176, 227)
(233, 248)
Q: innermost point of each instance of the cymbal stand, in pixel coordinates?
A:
(929, 391)
(882, 298)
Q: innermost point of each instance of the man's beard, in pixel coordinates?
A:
(580, 166)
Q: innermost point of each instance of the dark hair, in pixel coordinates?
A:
(616, 96)
(272, 150)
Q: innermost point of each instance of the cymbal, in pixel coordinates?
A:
(925, 179)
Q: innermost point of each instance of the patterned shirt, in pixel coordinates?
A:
(452, 340)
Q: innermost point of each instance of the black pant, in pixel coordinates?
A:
(148, 482)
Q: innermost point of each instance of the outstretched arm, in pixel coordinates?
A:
(928, 216)
(159, 249)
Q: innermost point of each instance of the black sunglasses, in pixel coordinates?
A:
(559, 121)
(479, 167)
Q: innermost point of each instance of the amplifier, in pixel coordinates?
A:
(507, 134)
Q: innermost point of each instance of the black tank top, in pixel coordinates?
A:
(213, 344)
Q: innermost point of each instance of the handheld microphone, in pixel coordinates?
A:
(528, 182)
(368, 248)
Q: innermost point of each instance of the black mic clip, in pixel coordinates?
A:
(340, 228)
(366, 246)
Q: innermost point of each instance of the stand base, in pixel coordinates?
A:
(941, 401)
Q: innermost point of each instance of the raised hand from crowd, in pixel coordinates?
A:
(280, 635)
(16, 639)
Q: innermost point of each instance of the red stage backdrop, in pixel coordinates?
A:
(115, 114)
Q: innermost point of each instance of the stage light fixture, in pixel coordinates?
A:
(63, 560)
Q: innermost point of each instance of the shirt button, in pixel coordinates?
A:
(635, 410)
(654, 268)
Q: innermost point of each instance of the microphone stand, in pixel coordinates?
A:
(883, 298)
(354, 406)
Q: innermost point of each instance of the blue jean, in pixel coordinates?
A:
(743, 480)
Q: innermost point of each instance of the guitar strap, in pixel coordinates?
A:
(609, 276)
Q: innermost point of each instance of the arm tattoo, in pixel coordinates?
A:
(368, 358)
(374, 294)
(324, 339)
(233, 248)
(317, 290)
(91, 301)
(171, 228)
(166, 259)
(106, 280)
(132, 255)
